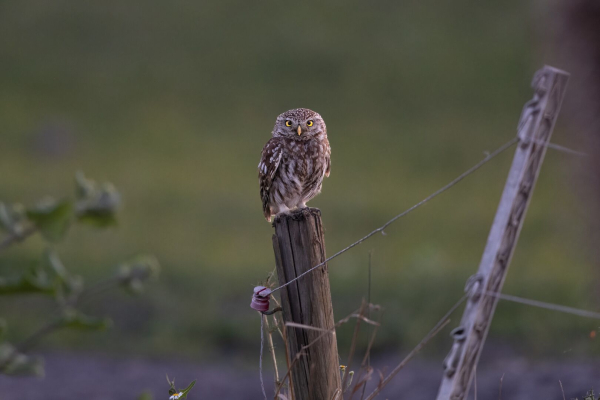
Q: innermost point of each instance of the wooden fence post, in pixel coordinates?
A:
(299, 245)
(534, 131)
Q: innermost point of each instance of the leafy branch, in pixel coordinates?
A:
(94, 204)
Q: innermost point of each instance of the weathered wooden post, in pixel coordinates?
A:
(299, 245)
(534, 131)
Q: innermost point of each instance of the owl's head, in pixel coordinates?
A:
(299, 124)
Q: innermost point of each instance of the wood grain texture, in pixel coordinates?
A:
(299, 244)
(534, 132)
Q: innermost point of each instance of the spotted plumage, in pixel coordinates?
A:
(293, 162)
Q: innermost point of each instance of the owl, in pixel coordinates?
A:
(293, 162)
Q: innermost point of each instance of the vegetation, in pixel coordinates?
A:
(94, 205)
(173, 102)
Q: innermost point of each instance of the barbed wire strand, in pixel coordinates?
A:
(530, 302)
(468, 172)
(462, 176)
(437, 327)
(564, 149)
(543, 304)
(516, 299)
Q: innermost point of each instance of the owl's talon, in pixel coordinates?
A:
(305, 211)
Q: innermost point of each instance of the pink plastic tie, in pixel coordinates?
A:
(260, 299)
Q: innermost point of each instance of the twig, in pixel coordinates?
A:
(337, 394)
(307, 327)
(366, 362)
(562, 390)
(34, 338)
(354, 341)
(56, 322)
(271, 348)
(278, 305)
(369, 286)
(288, 362)
(367, 358)
(96, 289)
(300, 352)
(76, 302)
(17, 237)
(262, 342)
(287, 374)
(500, 390)
(368, 352)
(438, 327)
(408, 358)
(462, 176)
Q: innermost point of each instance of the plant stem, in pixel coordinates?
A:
(271, 348)
(15, 238)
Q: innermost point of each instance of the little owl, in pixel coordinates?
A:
(293, 162)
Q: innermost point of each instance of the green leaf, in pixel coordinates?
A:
(185, 391)
(67, 286)
(77, 320)
(133, 274)
(96, 205)
(14, 363)
(52, 262)
(3, 327)
(12, 218)
(5, 217)
(98, 220)
(146, 395)
(35, 280)
(52, 218)
(84, 188)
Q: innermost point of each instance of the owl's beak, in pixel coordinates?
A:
(299, 130)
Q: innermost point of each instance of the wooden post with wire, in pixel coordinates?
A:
(535, 128)
(299, 245)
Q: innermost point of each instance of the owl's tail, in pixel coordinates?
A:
(266, 206)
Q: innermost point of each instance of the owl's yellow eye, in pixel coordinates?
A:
(288, 123)
(309, 123)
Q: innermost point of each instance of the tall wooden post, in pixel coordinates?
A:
(299, 244)
(534, 131)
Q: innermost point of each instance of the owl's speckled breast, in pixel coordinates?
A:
(294, 162)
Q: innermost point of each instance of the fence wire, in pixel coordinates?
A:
(516, 299)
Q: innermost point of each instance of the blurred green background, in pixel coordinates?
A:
(172, 102)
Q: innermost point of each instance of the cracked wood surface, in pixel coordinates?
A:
(299, 244)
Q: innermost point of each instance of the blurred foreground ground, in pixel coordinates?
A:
(76, 376)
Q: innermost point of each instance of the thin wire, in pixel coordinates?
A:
(563, 149)
(521, 300)
(262, 344)
(468, 172)
(542, 304)
(438, 326)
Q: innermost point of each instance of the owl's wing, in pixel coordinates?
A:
(269, 162)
